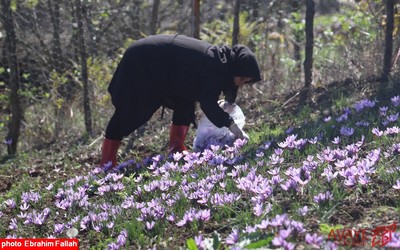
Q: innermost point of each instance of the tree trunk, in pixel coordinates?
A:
(56, 52)
(84, 69)
(56, 60)
(236, 23)
(387, 60)
(154, 17)
(12, 62)
(308, 60)
(196, 19)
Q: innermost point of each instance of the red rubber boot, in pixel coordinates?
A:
(177, 136)
(109, 152)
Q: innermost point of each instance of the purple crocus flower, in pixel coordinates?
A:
(383, 110)
(359, 106)
(10, 203)
(258, 209)
(110, 224)
(284, 233)
(364, 179)
(278, 241)
(279, 220)
(302, 211)
(22, 215)
(233, 237)
(313, 140)
(121, 239)
(343, 117)
(97, 227)
(362, 124)
(276, 159)
(38, 218)
(85, 222)
(328, 173)
(346, 131)
(263, 224)
(171, 218)
(24, 206)
(113, 246)
(314, 240)
(336, 140)
(397, 185)
(377, 132)
(58, 228)
(289, 130)
(395, 100)
(395, 242)
(205, 214)
(350, 181)
(393, 118)
(199, 241)
(327, 118)
(13, 224)
(392, 131)
(323, 197)
(290, 184)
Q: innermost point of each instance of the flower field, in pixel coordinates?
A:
(328, 184)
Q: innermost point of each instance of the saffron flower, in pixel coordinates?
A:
(233, 237)
(392, 118)
(383, 110)
(58, 228)
(314, 240)
(395, 242)
(336, 140)
(323, 197)
(10, 203)
(24, 206)
(121, 239)
(199, 241)
(395, 100)
(377, 132)
(13, 224)
(359, 106)
(302, 211)
(346, 131)
(397, 185)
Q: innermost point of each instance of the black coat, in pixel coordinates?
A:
(164, 68)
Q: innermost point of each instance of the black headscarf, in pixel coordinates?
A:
(245, 63)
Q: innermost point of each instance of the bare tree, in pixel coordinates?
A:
(236, 22)
(84, 69)
(297, 33)
(308, 60)
(387, 60)
(14, 80)
(57, 60)
(154, 17)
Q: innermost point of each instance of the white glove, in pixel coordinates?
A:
(238, 132)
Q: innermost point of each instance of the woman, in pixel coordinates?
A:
(175, 71)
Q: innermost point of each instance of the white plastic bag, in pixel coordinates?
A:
(208, 134)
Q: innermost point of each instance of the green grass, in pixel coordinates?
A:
(214, 195)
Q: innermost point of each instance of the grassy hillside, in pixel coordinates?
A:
(325, 175)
